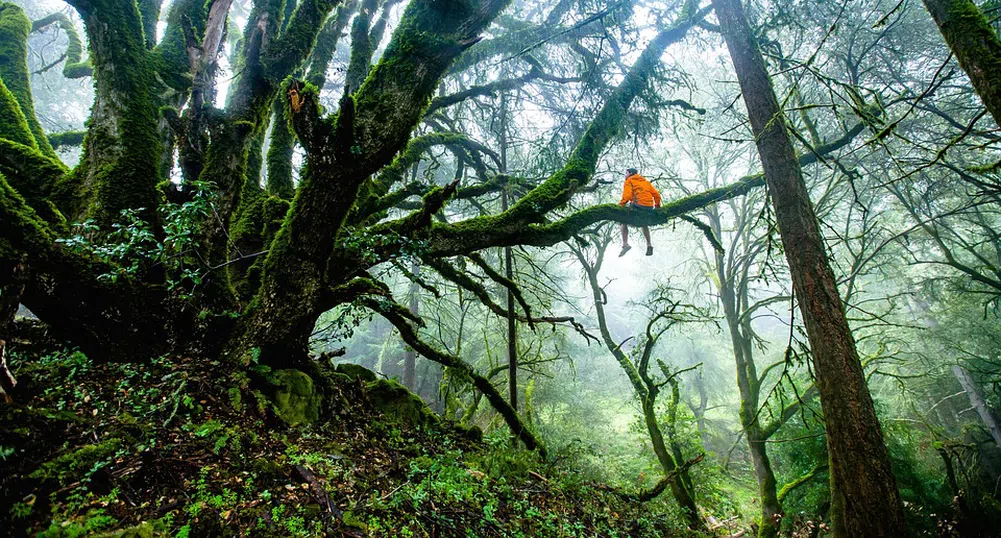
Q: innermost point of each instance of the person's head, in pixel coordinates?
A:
(631, 172)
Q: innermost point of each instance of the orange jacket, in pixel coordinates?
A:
(638, 190)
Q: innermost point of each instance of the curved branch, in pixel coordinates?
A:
(400, 318)
(75, 66)
(454, 275)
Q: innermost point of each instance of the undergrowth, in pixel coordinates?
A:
(182, 447)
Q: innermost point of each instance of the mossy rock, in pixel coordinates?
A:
(354, 371)
(473, 433)
(296, 400)
(74, 465)
(399, 405)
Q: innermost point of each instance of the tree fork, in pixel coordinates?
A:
(376, 121)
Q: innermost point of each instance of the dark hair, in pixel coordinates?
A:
(632, 171)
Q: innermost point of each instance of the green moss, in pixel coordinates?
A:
(170, 57)
(296, 400)
(122, 154)
(361, 46)
(351, 520)
(287, 53)
(14, 29)
(235, 398)
(68, 138)
(326, 44)
(354, 371)
(280, 153)
(74, 465)
(398, 404)
(145, 529)
(13, 124)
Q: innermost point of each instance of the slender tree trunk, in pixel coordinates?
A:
(978, 403)
(750, 393)
(681, 487)
(861, 480)
(409, 355)
(975, 44)
(512, 328)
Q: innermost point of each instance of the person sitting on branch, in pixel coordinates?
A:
(639, 194)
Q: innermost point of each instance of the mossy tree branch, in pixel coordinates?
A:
(75, 66)
(483, 232)
(344, 150)
(66, 290)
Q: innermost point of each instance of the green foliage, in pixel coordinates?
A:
(134, 250)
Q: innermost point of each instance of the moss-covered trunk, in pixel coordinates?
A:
(122, 149)
(14, 29)
(976, 45)
(862, 481)
(342, 153)
(749, 388)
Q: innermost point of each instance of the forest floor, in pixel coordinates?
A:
(195, 448)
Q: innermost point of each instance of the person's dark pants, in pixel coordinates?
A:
(645, 229)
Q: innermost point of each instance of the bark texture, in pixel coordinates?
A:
(975, 44)
(862, 484)
(985, 413)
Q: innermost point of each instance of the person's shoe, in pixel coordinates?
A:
(625, 248)
(649, 251)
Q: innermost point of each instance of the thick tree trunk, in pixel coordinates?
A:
(122, 153)
(14, 29)
(369, 130)
(861, 479)
(975, 44)
(978, 403)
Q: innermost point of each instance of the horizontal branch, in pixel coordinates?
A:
(492, 231)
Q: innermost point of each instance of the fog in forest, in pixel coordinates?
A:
(212, 213)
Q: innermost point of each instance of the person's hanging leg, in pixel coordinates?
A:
(625, 241)
(649, 244)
